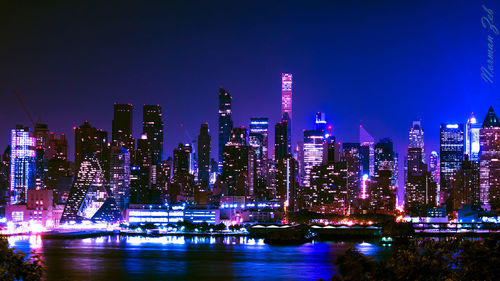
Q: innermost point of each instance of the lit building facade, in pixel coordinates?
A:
(367, 143)
(489, 136)
(313, 153)
(90, 199)
(120, 176)
(451, 155)
(286, 107)
(416, 138)
(258, 139)
(22, 164)
(472, 142)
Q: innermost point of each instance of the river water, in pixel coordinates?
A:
(186, 258)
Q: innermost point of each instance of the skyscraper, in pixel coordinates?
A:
(286, 107)
(313, 153)
(286, 95)
(281, 140)
(122, 128)
(89, 198)
(386, 159)
(258, 140)
(434, 166)
(22, 163)
(351, 155)
(451, 155)
(489, 136)
(472, 144)
(152, 126)
(416, 137)
(204, 155)
(367, 143)
(120, 176)
(90, 141)
(225, 122)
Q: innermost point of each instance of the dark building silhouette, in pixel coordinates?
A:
(121, 133)
(152, 126)
(225, 122)
(90, 141)
(204, 155)
(281, 140)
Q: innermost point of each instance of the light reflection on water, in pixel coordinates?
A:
(186, 257)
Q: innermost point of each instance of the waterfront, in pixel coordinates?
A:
(186, 258)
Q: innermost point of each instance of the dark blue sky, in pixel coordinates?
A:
(381, 64)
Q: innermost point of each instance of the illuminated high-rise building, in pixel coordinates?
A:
(451, 155)
(434, 166)
(472, 143)
(286, 95)
(121, 134)
(235, 172)
(465, 185)
(204, 155)
(225, 122)
(258, 140)
(367, 143)
(152, 126)
(119, 182)
(286, 107)
(386, 159)
(22, 163)
(90, 199)
(416, 138)
(90, 141)
(351, 155)
(489, 136)
(313, 153)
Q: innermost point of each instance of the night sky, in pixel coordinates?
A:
(381, 64)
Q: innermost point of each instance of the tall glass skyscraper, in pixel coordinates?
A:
(367, 143)
(258, 140)
(225, 122)
(120, 176)
(313, 153)
(451, 155)
(152, 126)
(22, 164)
(286, 108)
(416, 137)
(472, 144)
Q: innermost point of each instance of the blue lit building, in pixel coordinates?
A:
(171, 214)
(472, 144)
(22, 164)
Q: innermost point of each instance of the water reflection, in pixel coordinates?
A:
(185, 257)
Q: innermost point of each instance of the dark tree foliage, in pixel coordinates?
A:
(458, 259)
(14, 265)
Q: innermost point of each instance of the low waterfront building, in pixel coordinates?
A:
(40, 209)
(171, 214)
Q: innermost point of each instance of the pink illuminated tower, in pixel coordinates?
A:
(286, 95)
(286, 107)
